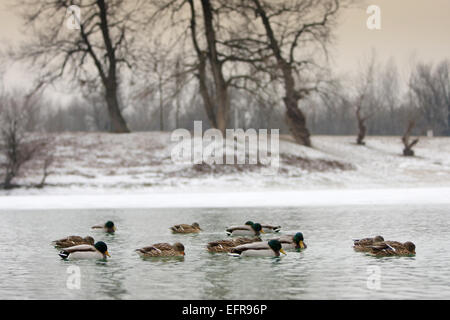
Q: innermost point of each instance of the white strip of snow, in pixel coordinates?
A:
(340, 197)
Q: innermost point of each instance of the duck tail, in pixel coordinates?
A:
(63, 254)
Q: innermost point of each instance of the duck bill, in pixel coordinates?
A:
(282, 251)
(262, 231)
(114, 228)
(302, 245)
(183, 253)
(106, 253)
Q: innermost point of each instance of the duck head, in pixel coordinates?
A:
(257, 228)
(298, 240)
(411, 247)
(378, 239)
(196, 226)
(102, 247)
(249, 223)
(275, 245)
(179, 247)
(110, 227)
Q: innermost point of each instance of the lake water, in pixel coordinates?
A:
(329, 269)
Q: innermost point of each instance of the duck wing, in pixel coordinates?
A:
(223, 243)
(233, 242)
(382, 248)
(162, 246)
(270, 226)
(285, 239)
(250, 246)
(69, 241)
(234, 228)
(363, 242)
(182, 227)
(79, 248)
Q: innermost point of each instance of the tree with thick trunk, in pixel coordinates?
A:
(216, 101)
(93, 49)
(283, 41)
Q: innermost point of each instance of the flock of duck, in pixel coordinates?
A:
(247, 243)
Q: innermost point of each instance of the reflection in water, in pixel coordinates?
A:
(329, 268)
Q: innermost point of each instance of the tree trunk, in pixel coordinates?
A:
(407, 150)
(448, 121)
(221, 87)
(118, 124)
(161, 107)
(297, 123)
(362, 128)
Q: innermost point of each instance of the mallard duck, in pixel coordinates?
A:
(272, 248)
(393, 248)
(86, 251)
(292, 241)
(266, 227)
(247, 230)
(162, 250)
(226, 245)
(186, 228)
(363, 245)
(73, 241)
(108, 227)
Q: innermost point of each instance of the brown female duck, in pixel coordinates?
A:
(71, 241)
(186, 228)
(161, 250)
(227, 245)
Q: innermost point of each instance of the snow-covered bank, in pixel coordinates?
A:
(231, 199)
(140, 163)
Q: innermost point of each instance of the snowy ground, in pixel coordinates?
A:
(140, 164)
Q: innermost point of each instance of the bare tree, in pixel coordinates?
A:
(366, 100)
(431, 89)
(94, 52)
(17, 145)
(290, 33)
(408, 145)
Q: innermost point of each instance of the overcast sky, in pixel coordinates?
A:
(411, 30)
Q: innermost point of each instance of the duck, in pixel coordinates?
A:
(363, 245)
(108, 227)
(393, 248)
(85, 251)
(253, 229)
(186, 228)
(227, 245)
(71, 241)
(272, 248)
(266, 227)
(289, 242)
(162, 250)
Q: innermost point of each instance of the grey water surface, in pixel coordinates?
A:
(30, 267)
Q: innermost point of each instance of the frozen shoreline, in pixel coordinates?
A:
(336, 197)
